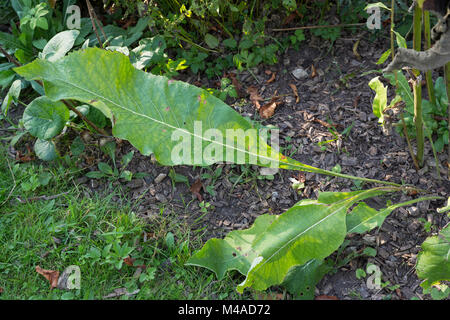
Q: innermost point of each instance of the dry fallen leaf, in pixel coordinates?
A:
(254, 96)
(267, 110)
(129, 261)
(272, 78)
(195, 189)
(313, 71)
(51, 275)
(1, 290)
(294, 89)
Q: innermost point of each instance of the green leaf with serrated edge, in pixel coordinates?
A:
(301, 281)
(155, 113)
(232, 253)
(44, 118)
(433, 262)
(45, 150)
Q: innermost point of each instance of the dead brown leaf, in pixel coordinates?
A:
(195, 189)
(129, 261)
(254, 96)
(313, 71)
(1, 290)
(51, 275)
(272, 78)
(294, 89)
(267, 110)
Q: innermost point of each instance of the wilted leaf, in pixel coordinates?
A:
(195, 189)
(294, 89)
(51, 275)
(254, 96)
(272, 78)
(267, 110)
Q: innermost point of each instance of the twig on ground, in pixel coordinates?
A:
(45, 198)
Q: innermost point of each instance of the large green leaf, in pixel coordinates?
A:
(309, 230)
(155, 113)
(433, 262)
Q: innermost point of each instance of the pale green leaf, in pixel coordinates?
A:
(59, 45)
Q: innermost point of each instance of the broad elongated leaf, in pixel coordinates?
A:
(309, 230)
(155, 113)
(45, 118)
(433, 262)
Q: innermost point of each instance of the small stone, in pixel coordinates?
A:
(160, 197)
(160, 177)
(300, 73)
(414, 211)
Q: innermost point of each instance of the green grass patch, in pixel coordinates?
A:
(96, 234)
